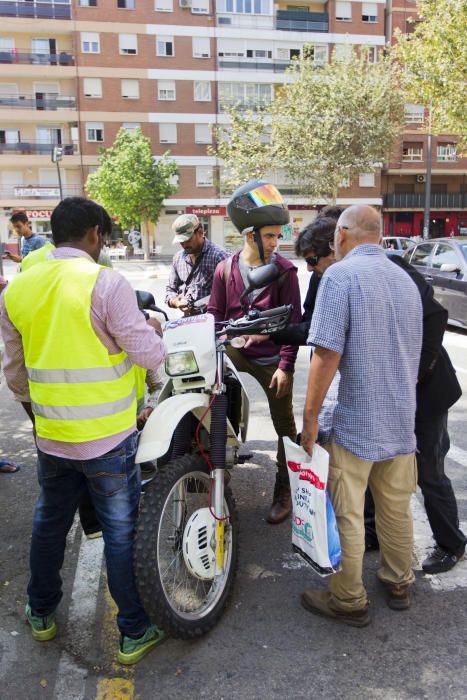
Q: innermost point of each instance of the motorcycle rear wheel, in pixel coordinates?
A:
(183, 605)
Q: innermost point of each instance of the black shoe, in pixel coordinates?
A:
(440, 560)
(371, 543)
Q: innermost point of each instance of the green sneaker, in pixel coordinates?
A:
(43, 628)
(132, 650)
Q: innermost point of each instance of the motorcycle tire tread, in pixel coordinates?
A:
(148, 581)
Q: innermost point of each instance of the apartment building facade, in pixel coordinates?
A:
(72, 75)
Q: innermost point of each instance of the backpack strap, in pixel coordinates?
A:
(227, 270)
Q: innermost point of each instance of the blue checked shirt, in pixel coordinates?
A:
(34, 242)
(201, 282)
(370, 311)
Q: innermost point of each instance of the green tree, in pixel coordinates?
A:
(434, 58)
(131, 184)
(328, 124)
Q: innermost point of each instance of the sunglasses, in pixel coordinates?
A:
(312, 260)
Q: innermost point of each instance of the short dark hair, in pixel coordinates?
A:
(316, 236)
(331, 211)
(74, 216)
(19, 216)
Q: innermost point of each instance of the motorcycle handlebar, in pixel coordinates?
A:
(258, 322)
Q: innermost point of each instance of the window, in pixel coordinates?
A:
(165, 46)
(128, 44)
(204, 176)
(245, 94)
(412, 152)
(445, 255)
(126, 4)
(10, 136)
(258, 53)
(166, 90)
(414, 114)
(164, 6)
(248, 7)
(446, 152)
(344, 183)
(48, 177)
(202, 91)
(6, 44)
(320, 54)
(372, 54)
(130, 89)
(369, 12)
(366, 180)
(203, 133)
(92, 87)
(199, 7)
(201, 47)
(168, 133)
(421, 255)
(343, 52)
(88, 3)
(90, 42)
(131, 126)
(344, 11)
(94, 131)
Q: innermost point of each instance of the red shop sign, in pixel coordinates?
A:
(38, 213)
(206, 211)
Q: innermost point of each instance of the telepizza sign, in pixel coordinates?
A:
(206, 211)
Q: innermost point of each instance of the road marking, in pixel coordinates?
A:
(71, 678)
(115, 689)
(457, 454)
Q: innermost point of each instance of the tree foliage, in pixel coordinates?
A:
(130, 183)
(434, 57)
(328, 124)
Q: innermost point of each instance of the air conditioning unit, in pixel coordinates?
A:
(185, 3)
(421, 178)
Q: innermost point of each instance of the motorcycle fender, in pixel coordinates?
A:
(157, 433)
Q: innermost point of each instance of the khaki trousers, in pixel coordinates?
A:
(281, 410)
(392, 484)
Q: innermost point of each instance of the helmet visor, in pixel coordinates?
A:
(261, 196)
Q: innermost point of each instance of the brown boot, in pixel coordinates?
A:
(281, 506)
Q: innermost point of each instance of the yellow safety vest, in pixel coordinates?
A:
(36, 256)
(140, 383)
(79, 392)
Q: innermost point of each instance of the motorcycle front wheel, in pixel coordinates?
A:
(184, 601)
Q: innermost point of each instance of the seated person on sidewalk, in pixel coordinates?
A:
(258, 212)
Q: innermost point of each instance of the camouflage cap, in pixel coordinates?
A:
(184, 227)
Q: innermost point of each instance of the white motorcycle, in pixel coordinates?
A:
(186, 549)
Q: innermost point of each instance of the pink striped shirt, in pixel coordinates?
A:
(119, 325)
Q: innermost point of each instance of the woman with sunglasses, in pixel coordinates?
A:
(315, 245)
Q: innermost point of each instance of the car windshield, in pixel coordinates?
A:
(463, 247)
(405, 243)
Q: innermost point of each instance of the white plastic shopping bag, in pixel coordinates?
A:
(314, 529)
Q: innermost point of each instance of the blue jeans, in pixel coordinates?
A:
(113, 481)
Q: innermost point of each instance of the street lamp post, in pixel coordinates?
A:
(426, 210)
(57, 155)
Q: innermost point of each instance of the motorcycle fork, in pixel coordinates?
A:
(218, 445)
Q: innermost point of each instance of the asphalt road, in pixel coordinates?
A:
(266, 645)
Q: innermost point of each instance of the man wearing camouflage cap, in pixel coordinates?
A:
(192, 267)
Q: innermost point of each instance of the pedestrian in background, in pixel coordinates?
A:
(368, 323)
(29, 241)
(69, 359)
(192, 270)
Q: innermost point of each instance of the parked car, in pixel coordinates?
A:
(397, 245)
(443, 263)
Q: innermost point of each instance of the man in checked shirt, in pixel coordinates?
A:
(192, 267)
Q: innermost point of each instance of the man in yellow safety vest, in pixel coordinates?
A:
(69, 359)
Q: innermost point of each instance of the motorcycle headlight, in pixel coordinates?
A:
(180, 363)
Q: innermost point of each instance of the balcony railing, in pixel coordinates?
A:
(49, 59)
(44, 102)
(35, 10)
(292, 21)
(39, 191)
(272, 66)
(242, 106)
(36, 148)
(438, 200)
